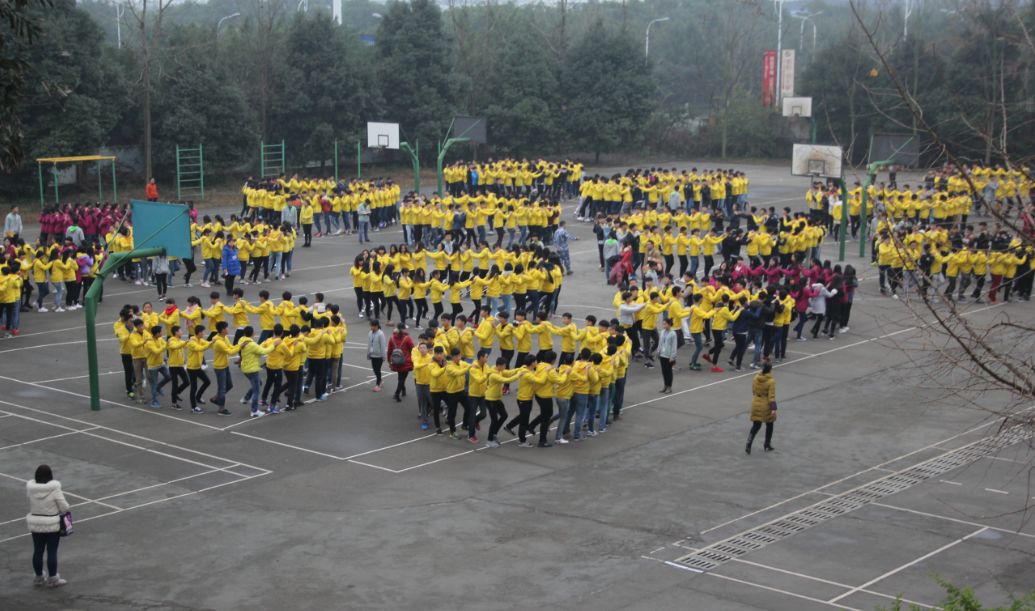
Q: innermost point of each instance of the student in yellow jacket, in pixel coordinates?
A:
(175, 346)
(196, 347)
(222, 350)
(123, 327)
(154, 349)
(251, 356)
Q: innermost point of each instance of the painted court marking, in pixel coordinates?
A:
(905, 566)
(711, 384)
(114, 509)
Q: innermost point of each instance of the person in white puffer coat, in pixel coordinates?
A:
(818, 305)
(46, 504)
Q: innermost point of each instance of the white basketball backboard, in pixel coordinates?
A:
(797, 107)
(816, 160)
(383, 135)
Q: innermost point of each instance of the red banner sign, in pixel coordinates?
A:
(768, 78)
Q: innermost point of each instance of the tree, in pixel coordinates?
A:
(413, 69)
(148, 17)
(609, 94)
(19, 29)
(256, 49)
(83, 97)
(330, 91)
(197, 103)
(525, 99)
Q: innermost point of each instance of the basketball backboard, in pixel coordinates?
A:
(382, 135)
(816, 160)
(472, 128)
(161, 225)
(797, 107)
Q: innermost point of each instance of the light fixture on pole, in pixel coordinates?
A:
(804, 16)
(646, 45)
(220, 22)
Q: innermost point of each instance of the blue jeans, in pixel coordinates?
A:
(780, 342)
(254, 391)
(563, 415)
(285, 262)
(275, 262)
(694, 263)
(156, 386)
(756, 337)
(503, 303)
(698, 347)
(524, 234)
(604, 405)
(223, 385)
(364, 231)
(581, 403)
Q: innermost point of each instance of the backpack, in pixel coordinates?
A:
(397, 358)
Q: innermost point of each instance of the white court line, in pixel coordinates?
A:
(995, 491)
(149, 503)
(785, 592)
(69, 343)
(71, 494)
(737, 377)
(103, 373)
(945, 481)
(957, 520)
(22, 335)
(679, 566)
(907, 565)
(373, 466)
(288, 445)
(135, 436)
(59, 435)
(172, 481)
(313, 400)
(828, 582)
(110, 402)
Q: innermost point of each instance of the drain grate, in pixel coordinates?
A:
(716, 554)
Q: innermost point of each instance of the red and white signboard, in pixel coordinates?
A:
(768, 78)
(787, 73)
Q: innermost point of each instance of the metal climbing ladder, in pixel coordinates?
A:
(190, 172)
(271, 159)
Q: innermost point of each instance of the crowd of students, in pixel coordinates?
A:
(746, 275)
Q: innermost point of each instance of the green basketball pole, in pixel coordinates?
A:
(90, 309)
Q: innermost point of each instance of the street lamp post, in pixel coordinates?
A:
(646, 45)
(119, 12)
(805, 16)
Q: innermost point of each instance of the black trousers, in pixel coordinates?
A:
(274, 380)
(437, 399)
(717, 345)
(755, 425)
(542, 421)
(127, 371)
(195, 390)
(666, 371)
(524, 412)
(497, 416)
(180, 382)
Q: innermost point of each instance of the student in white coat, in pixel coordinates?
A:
(46, 504)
